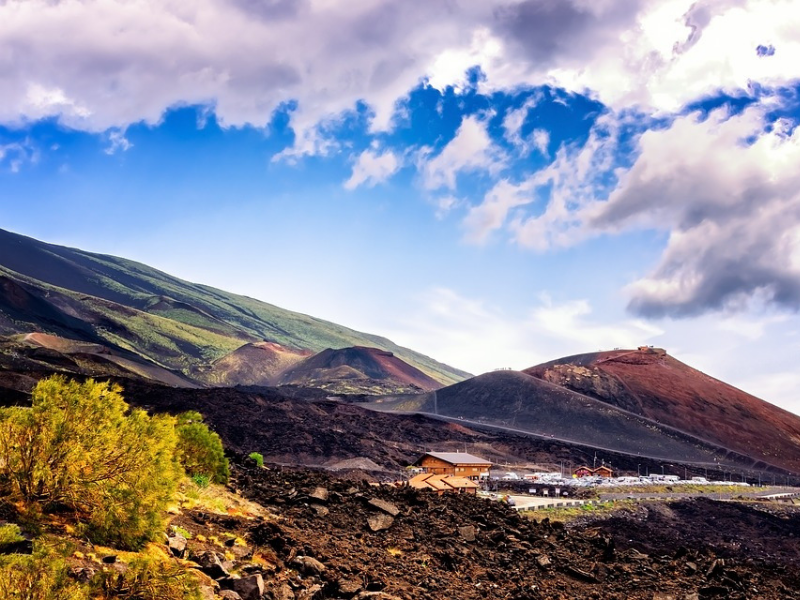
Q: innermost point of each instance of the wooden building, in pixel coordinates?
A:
(456, 464)
(601, 471)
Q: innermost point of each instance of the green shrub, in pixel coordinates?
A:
(257, 457)
(201, 481)
(41, 576)
(9, 534)
(150, 578)
(79, 448)
(200, 450)
(181, 531)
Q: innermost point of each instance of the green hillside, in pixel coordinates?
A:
(164, 319)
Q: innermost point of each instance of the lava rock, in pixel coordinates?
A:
(380, 522)
(249, 588)
(308, 565)
(385, 506)
(177, 545)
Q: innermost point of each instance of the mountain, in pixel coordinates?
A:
(639, 402)
(651, 383)
(358, 370)
(191, 330)
(256, 363)
(515, 401)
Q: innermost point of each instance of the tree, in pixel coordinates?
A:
(79, 448)
(200, 450)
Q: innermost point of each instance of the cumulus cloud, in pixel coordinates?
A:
(574, 180)
(728, 194)
(126, 62)
(471, 149)
(372, 168)
(723, 187)
(658, 56)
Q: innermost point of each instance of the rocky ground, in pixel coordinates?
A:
(341, 539)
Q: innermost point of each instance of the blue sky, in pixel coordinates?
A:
(494, 184)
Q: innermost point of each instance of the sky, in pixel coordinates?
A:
(494, 184)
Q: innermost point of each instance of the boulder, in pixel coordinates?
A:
(177, 545)
(207, 592)
(385, 506)
(82, 574)
(319, 493)
(467, 532)
(308, 565)
(211, 565)
(380, 522)
(249, 588)
(229, 595)
(543, 561)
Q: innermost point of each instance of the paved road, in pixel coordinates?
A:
(533, 502)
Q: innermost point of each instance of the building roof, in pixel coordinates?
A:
(425, 481)
(440, 482)
(459, 482)
(458, 458)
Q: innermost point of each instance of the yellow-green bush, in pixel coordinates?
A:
(149, 578)
(42, 576)
(200, 450)
(80, 448)
(9, 534)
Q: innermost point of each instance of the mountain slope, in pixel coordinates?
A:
(653, 384)
(358, 370)
(257, 363)
(174, 323)
(519, 402)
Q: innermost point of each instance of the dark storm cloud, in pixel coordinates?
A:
(544, 30)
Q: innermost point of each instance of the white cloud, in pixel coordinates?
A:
(729, 197)
(117, 141)
(540, 138)
(577, 178)
(16, 154)
(126, 62)
(470, 150)
(371, 169)
(658, 56)
(479, 337)
(488, 216)
(444, 204)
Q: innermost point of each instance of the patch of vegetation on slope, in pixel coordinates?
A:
(190, 308)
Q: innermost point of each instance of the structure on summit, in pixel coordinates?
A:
(455, 464)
